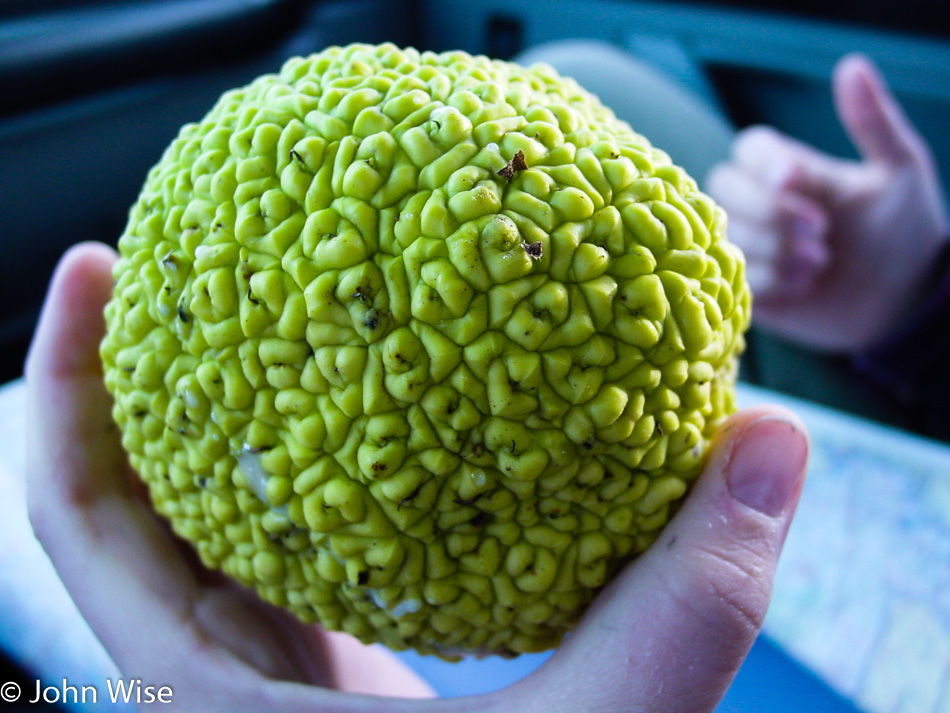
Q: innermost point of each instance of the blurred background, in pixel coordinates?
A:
(91, 93)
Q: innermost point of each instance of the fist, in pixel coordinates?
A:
(837, 250)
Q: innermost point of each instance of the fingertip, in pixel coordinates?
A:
(855, 82)
(855, 64)
(71, 322)
(737, 422)
(766, 457)
(83, 275)
(871, 114)
(726, 436)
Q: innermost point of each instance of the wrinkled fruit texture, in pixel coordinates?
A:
(404, 380)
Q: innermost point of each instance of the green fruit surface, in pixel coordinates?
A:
(402, 390)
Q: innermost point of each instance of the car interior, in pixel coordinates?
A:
(92, 91)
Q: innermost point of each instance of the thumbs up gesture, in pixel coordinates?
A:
(837, 251)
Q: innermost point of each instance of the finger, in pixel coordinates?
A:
(750, 207)
(762, 248)
(783, 235)
(741, 193)
(763, 281)
(120, 565)
(805, 249)
(673, 628)
(64, 376)
(788, 252)
(758, 242)
(764, 223)
(871, 115)
(786, 164)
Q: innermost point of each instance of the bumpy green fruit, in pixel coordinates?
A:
(421, 346)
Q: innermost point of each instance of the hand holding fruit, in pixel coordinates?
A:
(668, 634)
(424, 348)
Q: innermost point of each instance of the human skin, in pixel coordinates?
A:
(669, 633)
(838, 251)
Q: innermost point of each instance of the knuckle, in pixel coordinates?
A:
(729, 592)
(754, 136)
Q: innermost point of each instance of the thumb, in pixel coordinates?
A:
(670, 632)
(871, 115)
